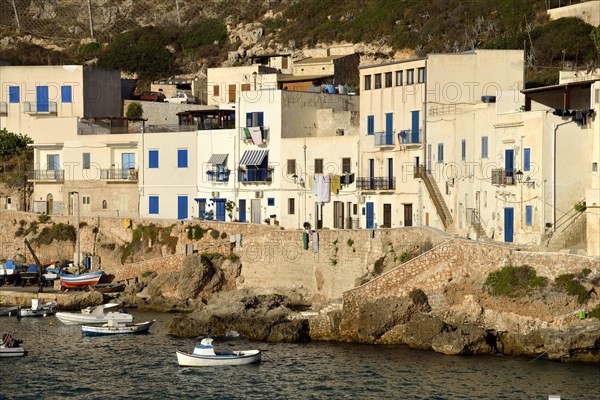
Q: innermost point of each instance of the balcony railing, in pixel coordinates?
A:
(502, 176)
(46, 175)
(218, 176)
(32, 107)
(410, 137)
(384, 139)
(376, 183)
(119, 174)
(3, 108)
(255, 175)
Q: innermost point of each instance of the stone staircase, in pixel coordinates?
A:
(436, 198)
(569, 232)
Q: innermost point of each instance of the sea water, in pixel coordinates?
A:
(64, 364)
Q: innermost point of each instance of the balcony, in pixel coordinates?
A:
(410, 137)
(119, 175)
(379, 183)
(46, 175)
(503, 177)
(257, 134)
(218, 176)
(255, 175)
(3, 108)
(32, 107)
(383, 139)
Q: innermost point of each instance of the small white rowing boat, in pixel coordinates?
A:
(204, 355)
(94, 315)
(37, 309)
(116, 328)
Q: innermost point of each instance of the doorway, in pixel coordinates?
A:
(387, 215)
(408, 212)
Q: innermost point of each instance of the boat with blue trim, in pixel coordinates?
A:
(204, 355)
(81, 281)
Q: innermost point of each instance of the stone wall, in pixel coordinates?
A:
(278, 259)
(159, 265)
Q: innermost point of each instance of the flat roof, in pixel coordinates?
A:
(558, 87)
(318, 60)
(301, 78)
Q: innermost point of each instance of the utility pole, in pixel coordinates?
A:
(178, 14)
(90, 15)
(16, 15)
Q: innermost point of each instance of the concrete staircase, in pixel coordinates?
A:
(436, 198)
(570, 231)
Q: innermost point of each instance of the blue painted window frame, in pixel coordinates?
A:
(484, 147)
(182, 158)
(527, 159)
(440, 154)
(370, 125)
(529, 215)
(152, 158)
(14, 94)
(153, 205)
(66, 94)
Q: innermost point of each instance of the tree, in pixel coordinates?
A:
(134, 110)
(17, 158)
(595, 36)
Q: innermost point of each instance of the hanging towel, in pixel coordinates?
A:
(315, 184)
(256, 135)
(247, 134)
(323, 194)
(336, 184)
(315, 242)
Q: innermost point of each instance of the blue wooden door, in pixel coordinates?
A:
(414, 135)
(509, 162)
(127, 162)
(220, 209)
(242, 210)
(370, 215)
(41, 97)
(182, 207)
(389, 128)
(509, 223)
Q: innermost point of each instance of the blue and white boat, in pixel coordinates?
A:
(204, 355)
(81, 281)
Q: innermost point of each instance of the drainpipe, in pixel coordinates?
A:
(554, 130)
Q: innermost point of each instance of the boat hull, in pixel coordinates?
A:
(108, 287)
(80, 281)
(119, 329)
(38, 311)
(240, 358)
(12, 352)
(68, 318)
(9, 311)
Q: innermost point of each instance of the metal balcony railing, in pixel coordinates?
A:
(218, 176)
(32, 107)
(119, 174)
(46, 175)
(384, 139)
(254, 175)
(410, 137)
(502, 176)
(376, 183)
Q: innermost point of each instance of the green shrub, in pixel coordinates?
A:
(513, 281)
(205, 32)
(195, 232)
(350, 242)
(223, 235)
(418, 297)
(580, 206)
(134, 110)
(58, 232)
(89, 49)
(595, 313)
(378, 266)
(406, 256)
(212, 256)
(215, 234)
(585, 272)
(233, 257)
(44, 218)
(569, 284)
(22, 223)
(147, 273)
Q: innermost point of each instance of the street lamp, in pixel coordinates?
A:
(78, 237)
(254, 74)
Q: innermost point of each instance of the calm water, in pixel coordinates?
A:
(62, 363)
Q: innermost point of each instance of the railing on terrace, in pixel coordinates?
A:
(502, 176)
(383, 139)
(410, 137)
(218, 176)
(32, 107)
(46, 175)
(254, 175)
(119, 174)
(376, 183)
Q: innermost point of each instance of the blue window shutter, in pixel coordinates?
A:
(415, 127)
(370, 125)
(249, 120)
(389, 124)
(41, 94)
(463, 150)
(527, 159)
(484, 147)
(182, 158)
(153, 159)
(528, 215)
(182, 207)
(440, 153)
(66, 94)
(260, 119)
(14, 94)
(153, 205)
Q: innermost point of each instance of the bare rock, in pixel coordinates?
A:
(466, 339)
(295, 331)
(378, 316)
(420, 331)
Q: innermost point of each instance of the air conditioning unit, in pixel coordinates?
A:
(215, 195)
(258, 194)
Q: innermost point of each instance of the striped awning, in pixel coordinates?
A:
(217, 159)
(253, 157)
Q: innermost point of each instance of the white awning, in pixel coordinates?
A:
(253, 157)
(218, 159)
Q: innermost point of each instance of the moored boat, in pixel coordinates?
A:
(117, 328)
(94, 315)
(37, 309)
(108, 287)
(9, 311)
(204, 355)
(81, 281)
(9, 346)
